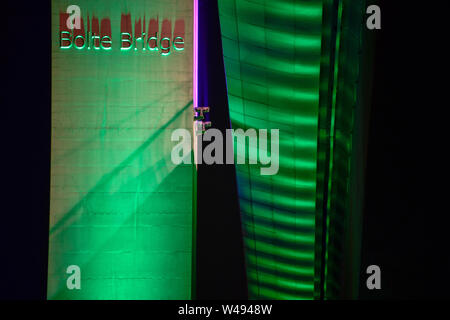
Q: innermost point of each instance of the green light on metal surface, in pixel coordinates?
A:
(285, 70)
(272, 55)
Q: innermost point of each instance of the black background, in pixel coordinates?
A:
(220, 252)
(405, 220)
(405, 229)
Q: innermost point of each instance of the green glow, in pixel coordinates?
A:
(283, 283)
(127, 39)
(165, 48)
(282, 217)
(279, 251)
(272, 55)
(176, 41)
(103, 40)
(64, 38)
(287, 268)
(154, 48)
(268, 293)
(332, 137)
(120, 209)
(294, 66)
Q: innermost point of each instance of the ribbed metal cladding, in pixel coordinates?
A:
(293, 66)
(272, 57)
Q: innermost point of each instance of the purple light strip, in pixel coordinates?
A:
(195, 73)
(195, 54)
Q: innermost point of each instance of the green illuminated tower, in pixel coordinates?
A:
(288, 68)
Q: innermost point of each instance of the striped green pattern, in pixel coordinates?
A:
(272, 56)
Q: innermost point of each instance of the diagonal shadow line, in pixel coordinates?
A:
(99, 249)
(107, 177)
(88, 142)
